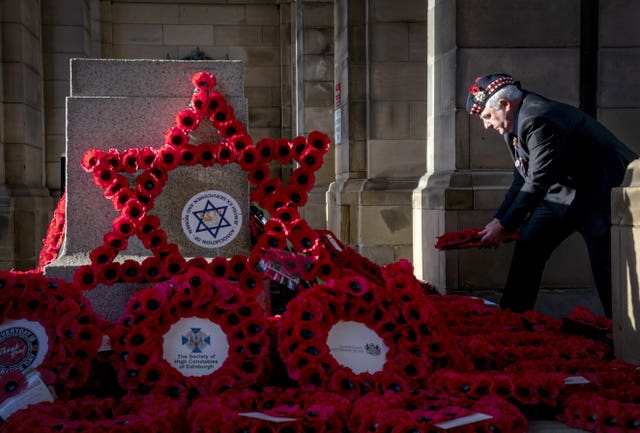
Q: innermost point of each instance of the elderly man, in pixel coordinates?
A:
(565, 166)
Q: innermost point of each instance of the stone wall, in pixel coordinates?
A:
(248, 31)
(407, 163)
(25, 204)
(583, 59)
(380, 66)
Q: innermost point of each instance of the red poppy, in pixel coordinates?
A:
(207, 154)
(275, 201)
(303, 177)
(123, 225)
(237, 265)
(188, 119)
(203, 80)
(275, 225)
(264, 189)
(174, 264)
(303, 238)
(176, 136)
(311, 158)
(12, 383)
(130, 271)
(286, 214)
(259, 173)
(85, 277)
(221, 114)
(135, 210)
(240, 142)
(130, 160)
(230, 128)
(226, 153)
(266, 148)
(297, 195)
(149, 184)
(146, 157)
(219, 267)
(91, 158)
(168, 158)
(298, 146)
(188, 155)
(102, 255)
(103, 174)
(121, 198)
(248, 158)
(283, 151)
(213, 100)
(152, 269)
(198, 262)
(319, 140)
(271, 239)
(109, 273)
(115, 241)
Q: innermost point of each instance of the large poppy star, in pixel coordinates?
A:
(151, 166)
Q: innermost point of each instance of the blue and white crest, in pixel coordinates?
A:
(211, 219)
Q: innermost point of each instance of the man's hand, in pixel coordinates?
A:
(493, 234)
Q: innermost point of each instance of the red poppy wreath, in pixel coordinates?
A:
(272, 410)
(91, 414)
(46, 324)
(351, 336)
(191, 335)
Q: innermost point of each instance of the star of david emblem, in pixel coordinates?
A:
(211, 219)
(195, 340)
(134, 199)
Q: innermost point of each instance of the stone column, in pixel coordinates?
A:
(66, 29)
(468, 168)
(618, 98)
(25, 203)
(350, 76)
(625, 246)
(382, 117)
(316, 94)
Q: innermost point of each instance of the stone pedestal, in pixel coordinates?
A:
(625, 247)
(123, 104)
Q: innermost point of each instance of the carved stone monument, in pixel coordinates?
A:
(123, 104)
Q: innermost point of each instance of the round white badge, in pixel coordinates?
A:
(195, 346)
(354, 345)
(23, 345)
(211, 219)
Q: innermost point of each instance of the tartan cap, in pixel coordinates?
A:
(483, 88)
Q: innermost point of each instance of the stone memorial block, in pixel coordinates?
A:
(123, 104)
(625, 248)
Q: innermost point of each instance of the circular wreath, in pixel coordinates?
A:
(422, 411)
(74, 331)
(90, 414)
(294, 411)
(399, 313)
(138, 337)
(52, 242)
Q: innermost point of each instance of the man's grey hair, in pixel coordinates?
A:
(510, 93)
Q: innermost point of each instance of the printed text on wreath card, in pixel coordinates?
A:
(195, 346)
(356, 346)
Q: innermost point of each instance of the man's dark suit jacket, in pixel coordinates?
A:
(564, 157)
